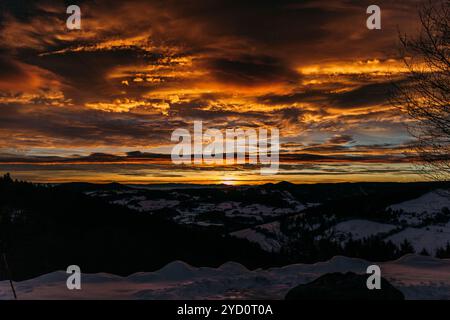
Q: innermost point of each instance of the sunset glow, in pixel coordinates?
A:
(99, 104)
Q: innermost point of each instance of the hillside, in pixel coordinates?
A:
(124, 229)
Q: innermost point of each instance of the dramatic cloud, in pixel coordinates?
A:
(139, 69)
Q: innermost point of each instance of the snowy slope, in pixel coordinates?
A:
(430, 238)
(429, 202)
(270, 238)
(267, 235)
(359, 229)
(417, 277)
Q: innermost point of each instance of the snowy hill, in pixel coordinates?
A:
(268, 236)
(224, 207)
(429, 202)
(359, 229)
(424, 222)
(429, 238)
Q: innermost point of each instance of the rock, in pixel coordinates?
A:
(340, 286)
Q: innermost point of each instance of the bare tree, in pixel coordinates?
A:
(424, 95)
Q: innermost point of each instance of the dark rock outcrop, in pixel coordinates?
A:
(340, 286)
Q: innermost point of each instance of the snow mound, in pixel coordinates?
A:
(233, 267)
(418, 261)
(177, 270)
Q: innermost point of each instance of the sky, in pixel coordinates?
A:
(99, 104)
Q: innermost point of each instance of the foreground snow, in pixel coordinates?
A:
(418, 277)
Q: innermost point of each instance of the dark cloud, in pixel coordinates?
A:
(292, 115)
(85, 74)
(387, 158)
(340, 139)
(9, 70)
(149, 158)
(311, 95)
(78, 127)
(366, 95)
(251, 71)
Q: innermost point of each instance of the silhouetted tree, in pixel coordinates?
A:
(406, 247)
(424, 95)
(372, 248)
(443, 253)
(6, 178)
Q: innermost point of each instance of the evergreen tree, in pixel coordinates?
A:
(406, 248)
(443, 253)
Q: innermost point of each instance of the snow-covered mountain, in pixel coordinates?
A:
(223, 206)
(254, 213)
(423, 221)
